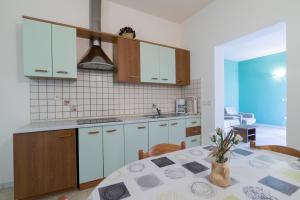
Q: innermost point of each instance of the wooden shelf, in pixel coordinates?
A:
(88, 34)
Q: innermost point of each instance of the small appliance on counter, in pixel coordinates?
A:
(180, 106)
(191, 105)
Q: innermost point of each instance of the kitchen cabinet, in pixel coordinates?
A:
(182, 67)
(113, 148)
(149, 62)
(64, 52)
(136, 138)
(157, 63)
(90, 155)
(37, 48)
(127, 60)
(193, 141)
(49, 50)
(44, 162)
(167, 72)
(193, 121)
(158, 132)
(176, 131)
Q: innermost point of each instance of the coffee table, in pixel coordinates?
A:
(247, 132)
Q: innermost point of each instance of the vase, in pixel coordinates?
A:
(220, 174)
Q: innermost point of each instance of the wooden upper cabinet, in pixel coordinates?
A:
(127, 60)
(44, 162)
(182, 67)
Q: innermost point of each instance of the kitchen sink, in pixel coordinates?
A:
(164, 115)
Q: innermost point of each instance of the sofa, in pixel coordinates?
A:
(244, 118)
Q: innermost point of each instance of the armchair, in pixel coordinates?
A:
(244, 118)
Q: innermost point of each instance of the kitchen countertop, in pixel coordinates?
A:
(71, 124)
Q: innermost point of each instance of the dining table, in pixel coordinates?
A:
(184, 175)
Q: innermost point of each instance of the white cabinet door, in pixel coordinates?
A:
(167, 67)
(149, 63)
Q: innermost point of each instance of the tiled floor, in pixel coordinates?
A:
(7, 194)
(266, 135)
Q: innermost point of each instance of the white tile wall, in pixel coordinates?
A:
(94, 94)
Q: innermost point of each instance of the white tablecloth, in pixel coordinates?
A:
(256, 174)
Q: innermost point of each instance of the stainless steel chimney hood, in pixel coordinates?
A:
(95, 58)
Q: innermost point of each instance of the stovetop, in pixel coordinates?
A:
(97, 121)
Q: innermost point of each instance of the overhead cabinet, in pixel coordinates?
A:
(157, 64)
(49, 50)
(182, 67)
(127, 60)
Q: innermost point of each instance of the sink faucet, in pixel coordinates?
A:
(157, 110)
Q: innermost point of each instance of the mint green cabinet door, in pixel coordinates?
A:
(167, 70)
(193, 141)
(177, 131)
(136, 138)
(64, 52)
(37, 49)
(193, 121)
(90, 154)
(158, 133)
(149, 56)
(113, 147)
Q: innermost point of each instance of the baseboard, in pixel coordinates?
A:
(6, 185)
(271, 126)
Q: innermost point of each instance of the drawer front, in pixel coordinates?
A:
(192, 131)
(176, 131)
(136, 138)
(193, 121)
(193, 141)
(158, 133)
(113, 147)
(90, 154)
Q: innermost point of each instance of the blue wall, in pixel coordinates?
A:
(231, 86)
(259, 91)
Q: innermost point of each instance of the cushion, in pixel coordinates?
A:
(231, 111)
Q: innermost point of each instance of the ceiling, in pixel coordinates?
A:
(265, 42)
(172, 10)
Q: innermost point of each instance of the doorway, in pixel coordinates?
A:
(255, 83)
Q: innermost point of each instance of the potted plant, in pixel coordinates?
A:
(127, 32)
(220, 173)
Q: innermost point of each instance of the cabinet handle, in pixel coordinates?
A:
(194, 122)
(141, 127)
(164, 79)
(93, 132)
(173, 124)
(64, 135)
(41, 70)
(195, 131)
(163, 124)
(194, 140)
(154, 78)
(62, 72)
(133, 76)
(112, 130)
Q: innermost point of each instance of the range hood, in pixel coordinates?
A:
(95, 58)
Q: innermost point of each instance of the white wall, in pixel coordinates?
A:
(14, 87)
(226, 20)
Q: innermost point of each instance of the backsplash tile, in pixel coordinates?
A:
(94, 94)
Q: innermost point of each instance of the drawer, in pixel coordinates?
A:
(193, 141)
(192, 131)
(193, 121)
